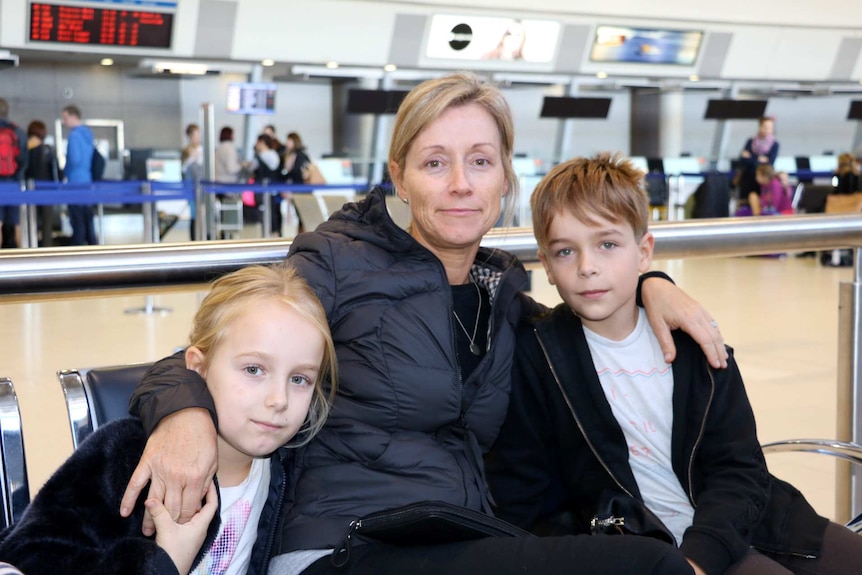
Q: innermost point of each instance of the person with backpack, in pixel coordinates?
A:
(79, 169)
(13, 162)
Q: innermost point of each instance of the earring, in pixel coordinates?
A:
(405, 200)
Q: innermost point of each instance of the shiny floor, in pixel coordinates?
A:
(780, 315)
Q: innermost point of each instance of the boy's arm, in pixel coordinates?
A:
(72, 526)
(734, 479)
(518, 466)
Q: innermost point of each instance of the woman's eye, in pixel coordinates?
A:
(433, 164)
(253, 370)
(483, 162)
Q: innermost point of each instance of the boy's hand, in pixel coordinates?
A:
(668, 307)
(182, 542)
(181, 459)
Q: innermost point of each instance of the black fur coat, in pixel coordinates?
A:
(73, 526)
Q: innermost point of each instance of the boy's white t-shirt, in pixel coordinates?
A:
(638, 385)
(241, 506)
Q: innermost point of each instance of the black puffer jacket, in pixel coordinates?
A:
(405, 427)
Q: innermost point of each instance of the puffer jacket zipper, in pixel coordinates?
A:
(699, 439)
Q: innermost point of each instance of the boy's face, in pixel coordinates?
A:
(595, 266)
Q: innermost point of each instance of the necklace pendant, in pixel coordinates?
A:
(474, 349)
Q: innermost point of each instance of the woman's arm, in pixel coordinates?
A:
(668, 307)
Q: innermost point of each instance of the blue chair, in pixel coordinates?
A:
(96, 396)
(14, 487)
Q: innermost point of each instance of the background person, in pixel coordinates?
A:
(423, 324)
(261, 342)
(13, 164)
(760, 149)
(266, 167)
(192, 158)
(42, 167)
(78, 170)
(227, 164)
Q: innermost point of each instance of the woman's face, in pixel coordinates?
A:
(767, 127)
(289, 145)
(454, 180)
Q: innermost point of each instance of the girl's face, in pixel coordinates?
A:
(262, 377)
(454, 180)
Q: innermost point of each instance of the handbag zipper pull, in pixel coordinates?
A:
(341, 554)
(596, 523)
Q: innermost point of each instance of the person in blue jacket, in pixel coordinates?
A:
(78, 170)
(261, 341)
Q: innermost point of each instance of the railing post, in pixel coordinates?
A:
(29, 225)
(148, 211)
(848, 482)
(266, 213)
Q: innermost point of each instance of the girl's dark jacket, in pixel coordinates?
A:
(405, 426)
(561, 450)
(73, 525)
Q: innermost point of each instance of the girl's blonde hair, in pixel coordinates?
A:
(233, 293)
(430, 99)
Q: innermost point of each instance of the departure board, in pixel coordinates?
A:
(100, 26)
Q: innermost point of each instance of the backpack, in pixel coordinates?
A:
(8, 150)
(97, 165)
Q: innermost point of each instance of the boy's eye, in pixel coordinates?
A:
(253, 370)
(608, 245)
(564, 252)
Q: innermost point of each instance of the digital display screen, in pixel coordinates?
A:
(374, 101)
(250, 98)
(855, 111)
(734, 109)
(100, 26)
(566, 107)
(645, 45)
(491, 39)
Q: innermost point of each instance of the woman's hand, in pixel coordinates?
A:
(182, 542)
(668, 307)
(745, 154)
(696, 567)
(181, 459)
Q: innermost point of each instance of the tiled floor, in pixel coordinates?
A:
(780, 315)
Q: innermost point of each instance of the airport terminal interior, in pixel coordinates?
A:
(639, 78)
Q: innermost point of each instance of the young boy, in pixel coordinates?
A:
(599, 426)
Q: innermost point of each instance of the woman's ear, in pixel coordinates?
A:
(195, 360)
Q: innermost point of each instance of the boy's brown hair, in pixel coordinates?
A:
(606, 185)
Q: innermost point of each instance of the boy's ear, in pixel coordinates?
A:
(646, 247)
(195, 360)
(544, 261)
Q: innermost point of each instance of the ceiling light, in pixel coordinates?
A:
(190, 68)
(267, 62)
(602, 75)
(694, 77)
(107, 62)
(332, 65)
(390, 68)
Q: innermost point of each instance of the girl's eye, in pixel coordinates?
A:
(299, 380)
(253, 370)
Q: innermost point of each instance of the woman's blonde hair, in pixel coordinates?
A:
(430, 99)
(233, 293)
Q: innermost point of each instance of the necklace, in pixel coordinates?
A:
(474, 347)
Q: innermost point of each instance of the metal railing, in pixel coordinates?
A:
(27, 273)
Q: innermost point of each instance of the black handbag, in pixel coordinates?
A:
(424, 523)
(621, 514)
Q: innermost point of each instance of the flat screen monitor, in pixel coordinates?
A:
(646, 45)
(735, 109)
(251, 98)
(568, 107)
(855, 112)
(461, 37)
(374, 101)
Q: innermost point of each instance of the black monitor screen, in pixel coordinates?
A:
(735, 109)
(855, 112)
(374, 101)
(566, 107)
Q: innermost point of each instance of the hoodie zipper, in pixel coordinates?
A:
(700, 438)
(575, 417)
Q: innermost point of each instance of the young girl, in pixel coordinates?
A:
(774, 198)
(262, 343)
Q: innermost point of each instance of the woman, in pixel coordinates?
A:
(296, 160)
(42, 167)
(266, 168)
(759, 150)
(423, 323)
(227, 164)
